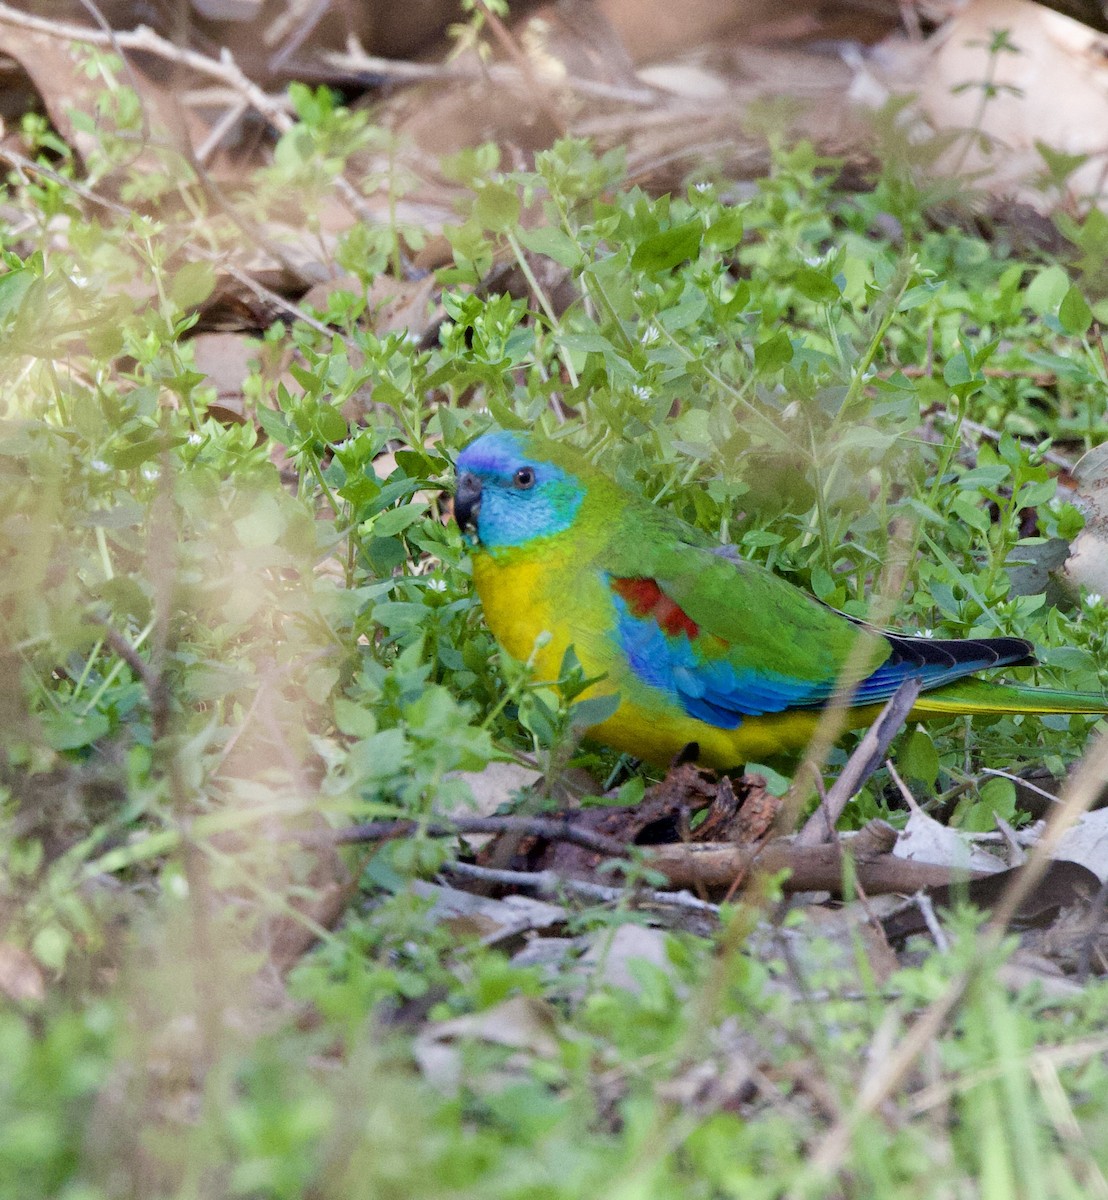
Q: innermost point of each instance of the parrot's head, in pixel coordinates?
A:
(510, 492)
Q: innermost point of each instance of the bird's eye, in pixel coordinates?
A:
(524, 478)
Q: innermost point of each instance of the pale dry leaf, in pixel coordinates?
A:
(493, 921)
(523, 1023)
(1087, 564)
(1086, 842)
(688, 80)
(1053, 89)
(497, 785)
(610, 957)
(926, 840)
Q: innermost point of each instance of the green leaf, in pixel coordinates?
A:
(13, 287)
(776, 783)
(774, 352)
(68, 731)
(553, 244)
(593, 711)
(667, 249)
(497, 207)
(395, 520)
(918, 759)
(192, 284)
(968, 511)
(1074, 314)
(380, 755)
(1045, 292)
(355, 720)
(262, 526)
(275, 426)
(331, 425)
(998, 798)
(815, 285)
(633, 790)
(726, 232)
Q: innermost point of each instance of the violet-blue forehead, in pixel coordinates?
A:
(500, 453)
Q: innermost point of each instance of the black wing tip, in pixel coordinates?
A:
(976, 653)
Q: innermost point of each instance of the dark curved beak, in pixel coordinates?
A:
(467, 501)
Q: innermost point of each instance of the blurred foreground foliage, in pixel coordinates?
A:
(215, 631)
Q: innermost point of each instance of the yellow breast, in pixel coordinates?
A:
(528, 606)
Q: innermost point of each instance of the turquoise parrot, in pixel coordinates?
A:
(699, 645)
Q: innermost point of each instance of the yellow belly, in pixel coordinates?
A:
(537, 611)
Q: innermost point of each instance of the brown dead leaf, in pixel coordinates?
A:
(226, 359)
(322, 899)
(21, 978)
(55, 67)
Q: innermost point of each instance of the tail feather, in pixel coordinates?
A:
(979, 696)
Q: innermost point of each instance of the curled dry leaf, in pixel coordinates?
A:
(1086, 842)
(1052, 90)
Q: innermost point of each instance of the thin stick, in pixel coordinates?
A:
(861, 765)
(542, 827)
(550, 883)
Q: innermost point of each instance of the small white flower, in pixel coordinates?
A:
(650, 335)
(437, 585)
(702, 187)
(195, 438)
(925, 633)
(640, 392)
(1094, 599)
(100, 466)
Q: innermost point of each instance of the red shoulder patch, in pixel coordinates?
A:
(646, 599)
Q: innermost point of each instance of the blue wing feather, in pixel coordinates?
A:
(715, 690)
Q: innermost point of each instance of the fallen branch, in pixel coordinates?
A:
(811, 868)
(710, 865)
